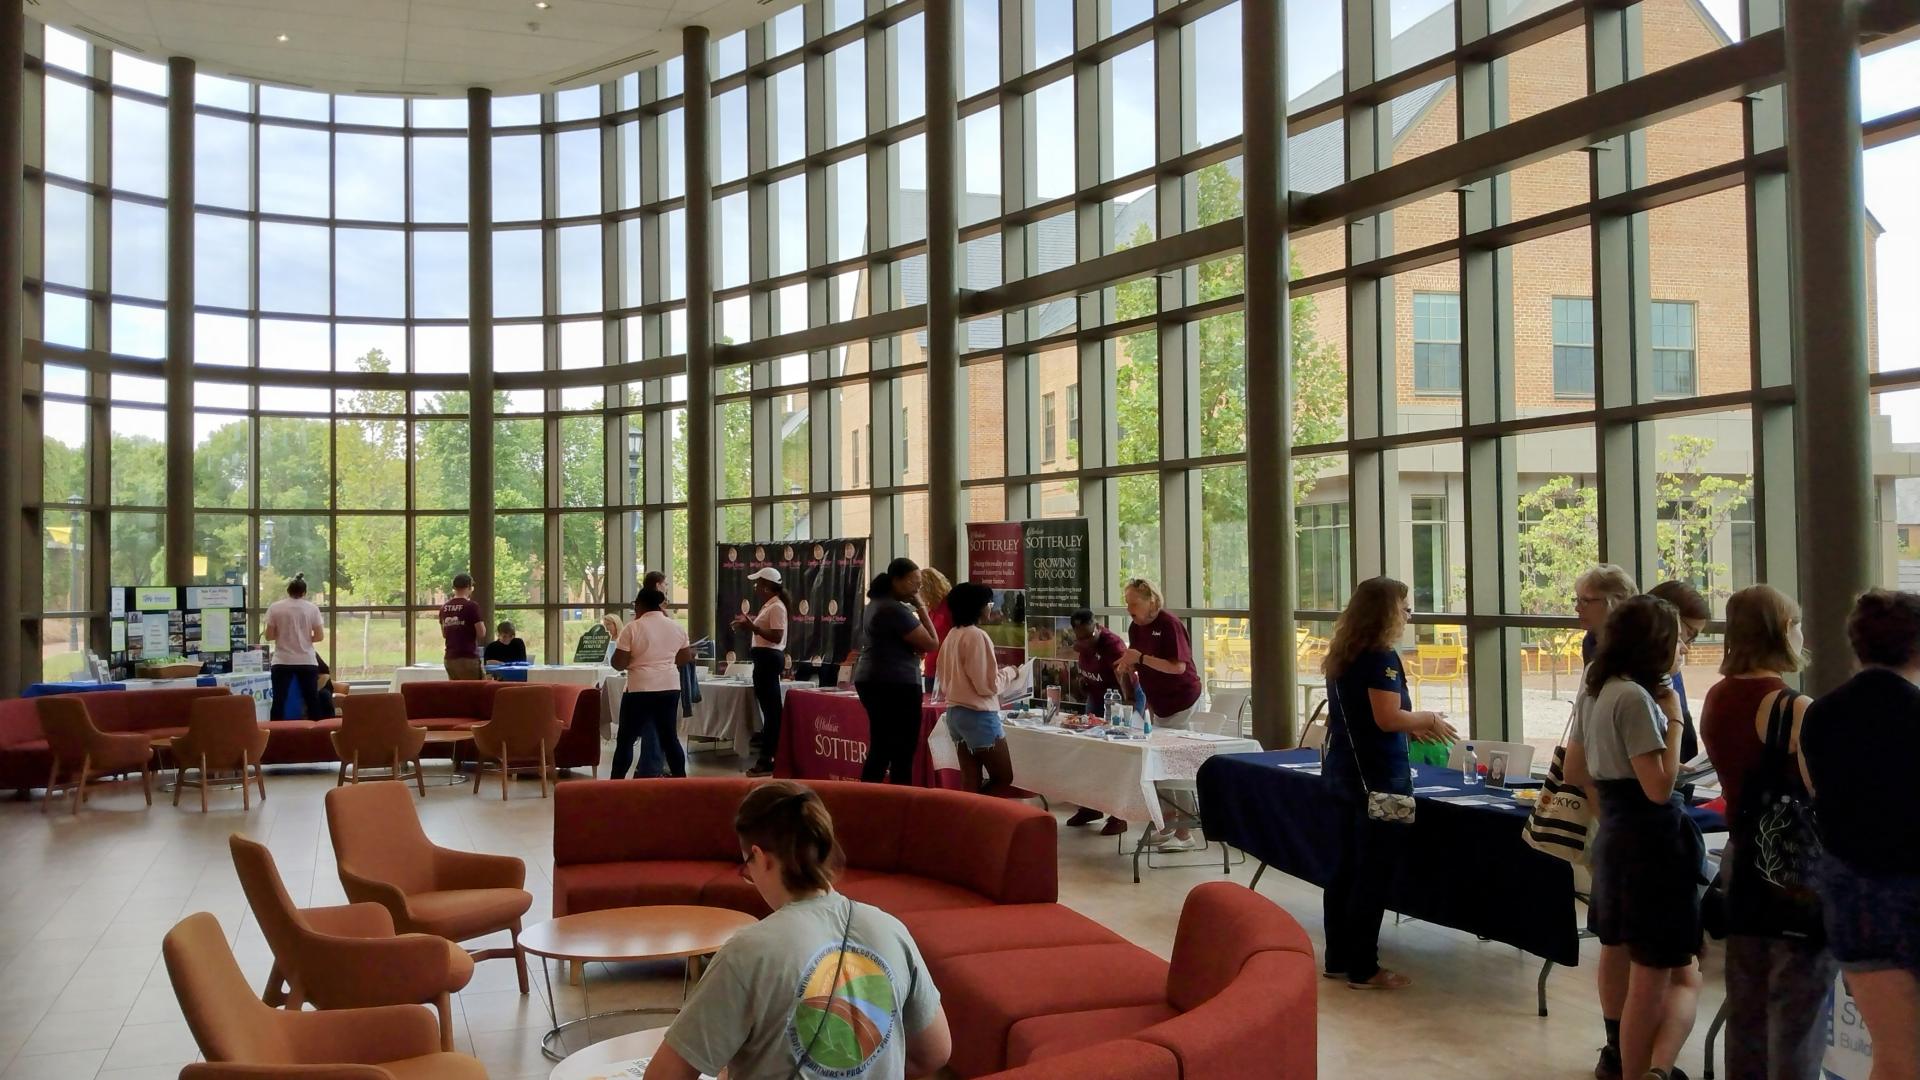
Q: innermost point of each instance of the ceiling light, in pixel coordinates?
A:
(541, 4)
(282, 39)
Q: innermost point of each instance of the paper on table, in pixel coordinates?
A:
(1436, 789)
(1475, 800)
(215, 635)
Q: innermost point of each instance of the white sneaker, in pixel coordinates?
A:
(1176, 843)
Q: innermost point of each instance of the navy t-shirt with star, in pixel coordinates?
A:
(1351, 729)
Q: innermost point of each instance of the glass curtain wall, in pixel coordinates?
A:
(1494, 387)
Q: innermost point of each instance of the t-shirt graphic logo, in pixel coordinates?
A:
(848, 1024)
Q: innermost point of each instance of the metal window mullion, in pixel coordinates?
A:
(1486, 296)
(1769, 323)
(1373, 475)
(1623, 460)
(1180, 514)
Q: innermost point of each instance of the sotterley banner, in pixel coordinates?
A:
(1038, 571)
(827, 580)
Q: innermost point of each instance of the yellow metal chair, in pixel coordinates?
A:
(1444, 664)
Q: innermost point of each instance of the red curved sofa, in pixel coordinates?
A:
(24, 760)
(1029, 985)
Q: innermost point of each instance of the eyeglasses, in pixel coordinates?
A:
(1583, 601)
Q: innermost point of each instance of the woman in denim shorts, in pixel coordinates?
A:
(973, 681)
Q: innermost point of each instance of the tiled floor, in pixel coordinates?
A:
(85, 901)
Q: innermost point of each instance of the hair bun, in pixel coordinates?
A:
(301, 576)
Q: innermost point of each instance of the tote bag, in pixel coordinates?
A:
(1562, 818)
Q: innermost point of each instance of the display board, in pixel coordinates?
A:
(204, 623)
(827, 580)
(1039, 574)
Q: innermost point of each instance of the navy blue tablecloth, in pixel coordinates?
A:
(1466, 866)
(48, 689)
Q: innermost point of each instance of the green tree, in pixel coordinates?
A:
(1559, 538)
(1695, 507)
(1319, 392)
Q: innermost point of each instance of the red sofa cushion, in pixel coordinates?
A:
(633, 821)
(1263, 1024)
(1038, 1038)
(735, 893)
(1222, 925)
(1005, 851)
(596, 886)
(1001, 928)
(988, 993)
(470, 699)
(1121, 1059)
(143, 710)
(900, 893)
(20, 724)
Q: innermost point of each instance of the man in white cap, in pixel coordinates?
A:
(769, 627)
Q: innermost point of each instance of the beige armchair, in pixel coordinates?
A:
(82, 752)
(374, 733)
(223, 735)
(520, 737)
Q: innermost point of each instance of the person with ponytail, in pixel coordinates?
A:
(294, 626)
(823, 986)
(769, 626)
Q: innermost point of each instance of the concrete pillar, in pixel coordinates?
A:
(1269, 378)
(13, 524)
(1827, 218)
(179, 361)
(701, 516)
(479, 345)
(946, 438)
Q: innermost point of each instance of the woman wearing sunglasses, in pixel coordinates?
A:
(823, 987)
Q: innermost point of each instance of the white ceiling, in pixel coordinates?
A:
(422, 47)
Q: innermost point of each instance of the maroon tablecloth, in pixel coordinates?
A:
(823, 736)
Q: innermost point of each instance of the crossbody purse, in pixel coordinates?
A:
(1382, 806)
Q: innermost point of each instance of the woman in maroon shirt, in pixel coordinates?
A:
(1777, 976)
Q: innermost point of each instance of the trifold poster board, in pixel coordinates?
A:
(1038, 571)
(827, 580)
(200, 622)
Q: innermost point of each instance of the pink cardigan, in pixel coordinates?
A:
(967, 672)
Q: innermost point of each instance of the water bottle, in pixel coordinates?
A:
(1469, 766)
(1110, 708)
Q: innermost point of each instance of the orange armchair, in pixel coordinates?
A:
(223, 733)
(384, 857)
(374, 731)
(520, 737)
(82, 752)
(346, 957)
(242, 1037)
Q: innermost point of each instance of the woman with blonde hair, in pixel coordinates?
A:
(1777, 974)
(1370, 717)
(1159, 661)
(1596, 593)
(934, 588)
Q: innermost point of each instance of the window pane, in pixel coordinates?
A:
(1138, 499)
(1126, 145)
(440, 275)
(69, 142)
(518, 288)
(367, 177)
(516, 177)
(579, 254)
(576, 170)
(439, 180)
(370, 277)
(293, 463)
(139, 147)
(139, 550)
(980, 46)
(295, 344)
(293, 171)
(789, 91)
(440, 472)
(138, 463)
(372, 556)
(1436, 343)
(583, 567)
(519, 470)
(1050, 142)
(294, 268)
(369, 644)
(373, 465)
(222, 269)
(730, 116)
(139, 250)
(1223, 384)
(847, 76)
(69, 237)
(222, 162)
(520, 575)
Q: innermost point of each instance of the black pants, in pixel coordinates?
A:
(893, 730)
(768, 664)
(305, 678)
(653, 718)
(1356, 897)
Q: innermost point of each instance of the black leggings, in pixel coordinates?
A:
(893, 730)
(768, 664)
(652, 718)
(306, 678)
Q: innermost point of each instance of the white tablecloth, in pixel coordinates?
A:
(579, 674)
(1114, 777)
(727, 712)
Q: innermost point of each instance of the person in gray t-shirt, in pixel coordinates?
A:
(823, 987)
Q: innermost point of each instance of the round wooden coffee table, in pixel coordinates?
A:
(596, 1061)
(451, 737)
(619, 935)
